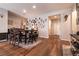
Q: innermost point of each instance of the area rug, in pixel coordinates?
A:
(30, 45)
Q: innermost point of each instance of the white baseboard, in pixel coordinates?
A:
(66, 39)
(44, 36)
(3, 40)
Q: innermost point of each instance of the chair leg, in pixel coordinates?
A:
(25, 41)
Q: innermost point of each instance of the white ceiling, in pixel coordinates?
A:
(41, 7)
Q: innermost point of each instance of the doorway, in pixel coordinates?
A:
(54, 25)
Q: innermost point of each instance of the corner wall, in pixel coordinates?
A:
(3, 21)
(74, 19)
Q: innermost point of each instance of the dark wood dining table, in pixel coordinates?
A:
(20, 35)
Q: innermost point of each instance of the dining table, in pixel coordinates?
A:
(17, 35)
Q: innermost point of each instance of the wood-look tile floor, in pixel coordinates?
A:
(52, 45)
(10, 50)
(56, 46)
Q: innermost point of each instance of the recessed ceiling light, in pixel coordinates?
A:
(55, 16)
(24, 11)
(34, 6)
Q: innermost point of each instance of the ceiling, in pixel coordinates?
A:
(41, 8)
